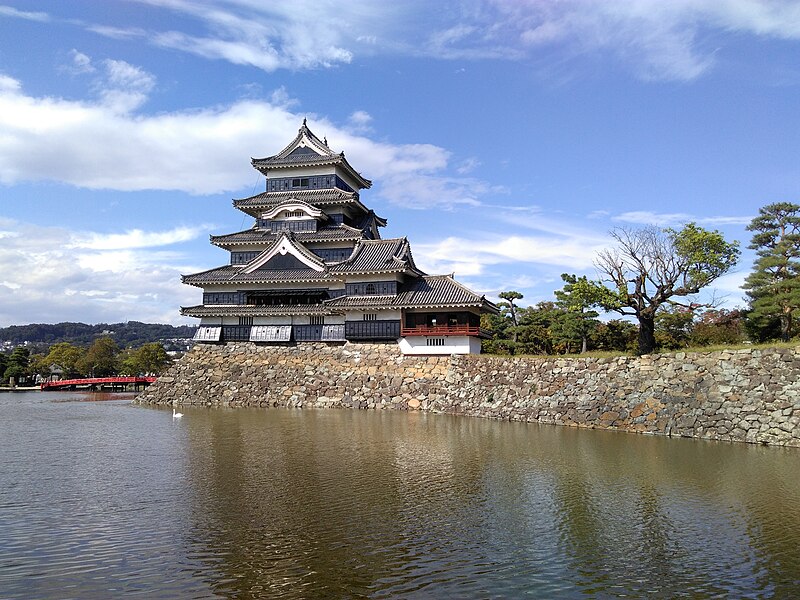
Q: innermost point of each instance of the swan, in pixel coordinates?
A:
(176, 415)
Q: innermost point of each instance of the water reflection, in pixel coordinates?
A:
(354, 504)
(105, 499)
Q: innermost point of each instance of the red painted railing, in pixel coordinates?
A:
(53, 385)
(440, 330)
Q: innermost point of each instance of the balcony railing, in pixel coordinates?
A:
(443, 330)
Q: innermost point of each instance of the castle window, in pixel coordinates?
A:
(435, 342)
(370, 289)
(245, 320)
(294, 213)
(317, 320)
(369, 317)
(300, 182)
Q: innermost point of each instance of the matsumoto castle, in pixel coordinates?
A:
(313, 267)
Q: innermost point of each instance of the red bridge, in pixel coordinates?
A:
(98, 382)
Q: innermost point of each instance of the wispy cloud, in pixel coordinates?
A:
(10, 11)
(658, 40)
(137, 238)
(672, 219)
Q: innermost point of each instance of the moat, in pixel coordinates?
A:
(104, 498)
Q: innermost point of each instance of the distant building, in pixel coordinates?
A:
(313, 267)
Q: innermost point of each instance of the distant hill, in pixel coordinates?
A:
(127, 335)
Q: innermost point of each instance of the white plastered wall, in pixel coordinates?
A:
(453, 345)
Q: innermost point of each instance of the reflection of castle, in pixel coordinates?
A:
(314, 268)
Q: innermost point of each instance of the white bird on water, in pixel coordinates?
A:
(176, 415)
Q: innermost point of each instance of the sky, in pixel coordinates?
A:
(506, 139)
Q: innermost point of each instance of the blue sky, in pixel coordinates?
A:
(505, 139)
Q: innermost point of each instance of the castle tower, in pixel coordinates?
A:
(313, 267)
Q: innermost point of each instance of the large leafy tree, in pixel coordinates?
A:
(100, 358)
(651, 267)
(774, 284)
(148, 359)
(66, 356)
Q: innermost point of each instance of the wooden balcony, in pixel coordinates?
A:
(443, 330)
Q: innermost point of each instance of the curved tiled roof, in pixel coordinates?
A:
(307, 149)
(236, 274)
(280, 310)
(255, 235)
(313, 197)
(358, 302)
(439, 290)
(378, 256)
(429, 291)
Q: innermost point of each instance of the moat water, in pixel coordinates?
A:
(105, 499)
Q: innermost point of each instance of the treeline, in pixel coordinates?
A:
(103, 358)
(131, 334)
(653, 276)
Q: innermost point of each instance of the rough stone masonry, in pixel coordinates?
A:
(750, 395)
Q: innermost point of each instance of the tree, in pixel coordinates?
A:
(616, 335)
(718, 327)
(536, 328)
(674, 327)
(66, 356)
(100, 358)
(18, 364)
(651, 267)
(578, 297)
(509, 297)
(150, 358)
(774, 284)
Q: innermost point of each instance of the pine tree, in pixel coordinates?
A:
(774, 284)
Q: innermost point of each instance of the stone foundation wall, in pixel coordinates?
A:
(742, 395)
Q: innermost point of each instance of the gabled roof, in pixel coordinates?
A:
(308, 150)
(285, 247)
(379, 256)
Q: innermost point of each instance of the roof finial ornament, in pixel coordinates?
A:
(304, 121)
(325, 140)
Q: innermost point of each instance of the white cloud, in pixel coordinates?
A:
(475, 255)
(86, 144)
(81, 63)
(359, 122)
(270, 35)
(57, 275)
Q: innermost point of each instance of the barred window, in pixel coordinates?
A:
(317, 320)
(370, 316)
